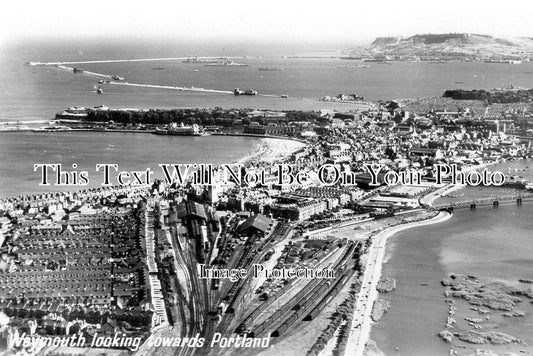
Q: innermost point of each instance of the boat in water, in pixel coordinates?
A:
(196, 60)
(270, 69)
(237, 92)
(56, 128)
(503, 61)
(226, 64)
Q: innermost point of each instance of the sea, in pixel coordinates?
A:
(38, 93)
(80, 151)
(494, 244)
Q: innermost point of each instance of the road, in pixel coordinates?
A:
(361, 321)
(353, 222)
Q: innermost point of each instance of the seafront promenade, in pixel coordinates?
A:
(359, 333)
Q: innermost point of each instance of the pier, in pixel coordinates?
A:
(491, 201)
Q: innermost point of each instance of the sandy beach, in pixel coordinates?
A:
(362, 322)
(271, 150)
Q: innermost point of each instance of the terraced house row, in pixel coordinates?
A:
(94, 260)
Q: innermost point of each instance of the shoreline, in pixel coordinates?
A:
(229, 134)
(268, 151)
(361, 322)
(432, 254)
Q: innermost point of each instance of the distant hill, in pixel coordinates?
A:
(447, 46)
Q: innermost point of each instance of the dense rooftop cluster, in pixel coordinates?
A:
(74, 262)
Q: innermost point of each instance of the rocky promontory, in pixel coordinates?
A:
(495, 296)
(487, 337)
(490, 301)
(386, 285)
(372, 349)
(446, 335)
(381, 306)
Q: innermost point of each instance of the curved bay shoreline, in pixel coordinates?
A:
(413, 299)
(362, 322)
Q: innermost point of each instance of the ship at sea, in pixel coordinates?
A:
(503, 61)
(226, 63)
(55, 128)
(270, 69)
(180, 130)
(196, 60)
(238, 92)
(354, 66)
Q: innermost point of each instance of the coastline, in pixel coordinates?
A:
(361, 322)
(265, 151)
(269, 150)
(128, 149)
(3, 129)
(423, 257)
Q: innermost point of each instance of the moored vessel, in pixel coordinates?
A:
(180, 130)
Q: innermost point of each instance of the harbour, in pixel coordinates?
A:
(86, 149)
(317, 77)
(450, 287)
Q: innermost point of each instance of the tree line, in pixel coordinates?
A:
(500, 97)
(219, 117)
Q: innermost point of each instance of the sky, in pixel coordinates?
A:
(341, 21)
